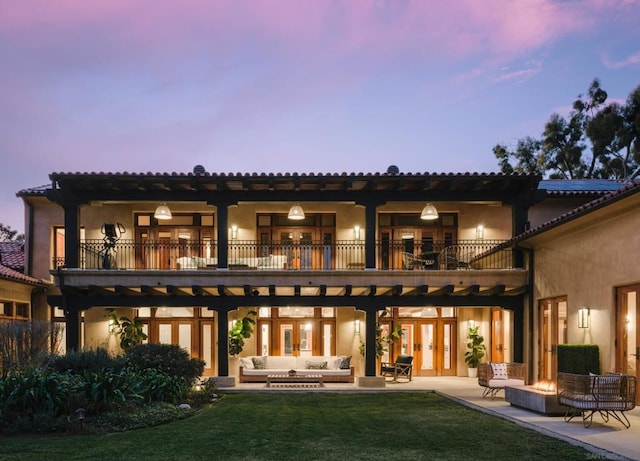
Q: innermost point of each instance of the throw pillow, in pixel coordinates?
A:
(316, 365)
(259, 363)
(345, 362)
(499, 370)
(246, 363)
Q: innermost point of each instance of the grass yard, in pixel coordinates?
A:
(311, 426)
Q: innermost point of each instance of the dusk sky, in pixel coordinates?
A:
(304, 86)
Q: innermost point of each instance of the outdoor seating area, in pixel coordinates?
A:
(334, 369)
(495, 376)
(402, 368)
(610, 395)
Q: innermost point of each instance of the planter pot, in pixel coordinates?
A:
(473, 372)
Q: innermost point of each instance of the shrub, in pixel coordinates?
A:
(81, 361)
(581, 359)
(24, 344)
(170, 359)
(35, 393)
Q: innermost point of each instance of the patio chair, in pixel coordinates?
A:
(401, 368)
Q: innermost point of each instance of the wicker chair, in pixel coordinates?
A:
(516, 376)
(609, 395)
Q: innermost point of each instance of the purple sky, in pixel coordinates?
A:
(293, 86)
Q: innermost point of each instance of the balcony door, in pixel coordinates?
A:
(552, 315)
(432, 344)
(628, 331)
(297, 244)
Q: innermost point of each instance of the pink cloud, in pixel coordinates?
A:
(312, 30)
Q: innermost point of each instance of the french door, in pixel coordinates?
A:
(432, 344)
(298, 246)
(552, 315)
(296, 337)
(628, 331)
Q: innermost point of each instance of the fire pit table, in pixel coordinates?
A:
(541, 399)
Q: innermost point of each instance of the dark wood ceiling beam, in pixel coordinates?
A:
(322, 290)
(177, 291)
(346, 291)
(443, 290)
(151, 291)
(417, 291)
(224, 291)
(126, 291)
(470, 290)
(516, 291)
(496, 290)
(370, 291)
(98, 290)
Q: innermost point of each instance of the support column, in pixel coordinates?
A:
(223, 342)
(72, 331)
(223, 235)
(71, 235)
(520, 219)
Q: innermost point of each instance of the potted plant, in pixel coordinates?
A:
(130, 332)
(241, 331)
(475, 352)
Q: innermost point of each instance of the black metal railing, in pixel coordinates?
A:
(311, 255)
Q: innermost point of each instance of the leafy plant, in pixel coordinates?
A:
(82, 361)
(129, 331)
(170, 359)
(242, 329)
(383, 341)
(476, 348)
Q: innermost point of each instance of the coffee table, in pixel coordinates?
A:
(294, 379)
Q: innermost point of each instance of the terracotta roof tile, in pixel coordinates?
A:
(9, 274)
(626, 190)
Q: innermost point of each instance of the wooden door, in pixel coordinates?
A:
(432, 344)
(497, 335)
(296, 337)
(628, 331)
(552, 313)
(298, 245)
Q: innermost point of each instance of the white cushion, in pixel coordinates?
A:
(505, 383)
(499, 370)
(246, 363)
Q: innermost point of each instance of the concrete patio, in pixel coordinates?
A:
(609, 440)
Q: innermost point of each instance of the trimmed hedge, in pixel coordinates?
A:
(580, 359)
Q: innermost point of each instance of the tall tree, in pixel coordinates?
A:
(596, 140)
(8, 235)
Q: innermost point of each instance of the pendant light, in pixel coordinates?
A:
(162, 212)
(296, 213)
(429, 212)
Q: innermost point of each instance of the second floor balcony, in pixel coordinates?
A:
(304, 256)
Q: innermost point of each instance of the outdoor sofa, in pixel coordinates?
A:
(337, 369)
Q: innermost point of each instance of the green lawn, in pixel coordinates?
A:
(311, 426)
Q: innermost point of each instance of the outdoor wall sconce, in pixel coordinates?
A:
(356, 325)
(356, 232)
(429, 212)
(479, 232)
(583, 317)
(471, 323)
(162, 212)
(296, 212)
(234, 232)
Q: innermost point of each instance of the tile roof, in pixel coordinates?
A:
(12, 255)
(9, 274)
(12, 263)
(627, 190)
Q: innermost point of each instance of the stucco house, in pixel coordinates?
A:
(318, 256)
